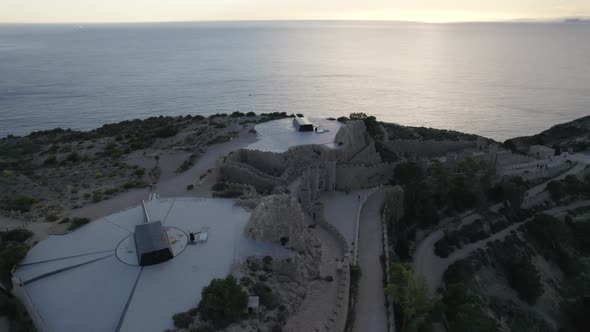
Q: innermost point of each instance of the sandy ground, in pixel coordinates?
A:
(371, 314)
(10, 223)
(321, 295)
(170, 185)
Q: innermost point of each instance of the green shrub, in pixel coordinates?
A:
(556, 190)
(97, 196)
(219, 186)
(182, 320)
(9, 257)
(266, 296)
(134, 184)
(73, 157)
(51, 218)
(21, 204)
(51, 160)
(464, 311)
(223, 302)
(77, 223)
(166, 131)
(228, 194)
(525, 279)
(139, 172)
(16, 235)
(250, 114)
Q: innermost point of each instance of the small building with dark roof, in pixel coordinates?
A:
(151, 244)
(302, 124)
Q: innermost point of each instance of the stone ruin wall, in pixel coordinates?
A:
(310, 170)
(271, 163)
(352, 177)
(354, 164)
(429, 148)
(243, 173)
(368, 155)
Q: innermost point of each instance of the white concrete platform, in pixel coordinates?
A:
(79, 281)
(280, 135)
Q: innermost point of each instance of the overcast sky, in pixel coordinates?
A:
(38, 11)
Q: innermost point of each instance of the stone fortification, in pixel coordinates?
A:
(280, 218)
(355, 145)
(315, 165)
(246, 174)
(271, 163)
(352, 177)
(428, 148)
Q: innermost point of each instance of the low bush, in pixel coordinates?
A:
(139, 172)
(182, 320)
(266, 296)
(16, 235)
(166, 131)
(77, 223)
(10, 256)
(20, 204)
(525, 279)
(223, 302)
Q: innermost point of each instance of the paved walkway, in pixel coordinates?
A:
(371, 314)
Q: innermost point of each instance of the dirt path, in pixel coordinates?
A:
(371, 314)
(428, 264)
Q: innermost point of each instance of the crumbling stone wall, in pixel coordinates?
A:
(353, 164)
(243, 173)
(429, 148)
(351, 140)
(352, 177)
(368, 155)
(280, 217)
(268, 162)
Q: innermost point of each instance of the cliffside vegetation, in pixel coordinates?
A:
(574, 135)
(435, 192)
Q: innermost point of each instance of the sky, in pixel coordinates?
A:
(103, 11)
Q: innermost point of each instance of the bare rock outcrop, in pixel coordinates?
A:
(355, 144)
(280, 219)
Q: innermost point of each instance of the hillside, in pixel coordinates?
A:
(574, 135)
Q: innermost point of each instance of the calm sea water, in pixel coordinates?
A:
(497, 80)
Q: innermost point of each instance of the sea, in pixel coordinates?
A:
(498, 80)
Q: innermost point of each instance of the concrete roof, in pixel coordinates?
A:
(90, 277)
(280, 135)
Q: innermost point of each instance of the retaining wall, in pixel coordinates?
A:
(352, 177)
(428, 148)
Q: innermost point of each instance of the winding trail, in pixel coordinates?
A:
(432, 267)
(371, 313)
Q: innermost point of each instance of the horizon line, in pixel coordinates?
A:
(584, 19)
